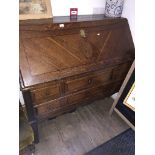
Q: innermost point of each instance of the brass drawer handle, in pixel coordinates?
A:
(82, 33)
(47, 93)
(89, 81)
(49, 107)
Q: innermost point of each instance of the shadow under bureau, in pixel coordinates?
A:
(65, 64)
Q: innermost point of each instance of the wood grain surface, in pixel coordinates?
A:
(49, 52)
(81, 131)
(65, 63)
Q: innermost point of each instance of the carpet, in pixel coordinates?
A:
(123, 144)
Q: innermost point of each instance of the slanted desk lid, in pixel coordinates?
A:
(45, 56)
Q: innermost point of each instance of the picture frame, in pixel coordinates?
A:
(34, 9)
(129, 101)
(120, 102)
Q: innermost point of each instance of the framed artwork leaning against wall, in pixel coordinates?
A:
(34, 9)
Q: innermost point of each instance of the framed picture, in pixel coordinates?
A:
(34, 9)
(124, 104)
(130, 98)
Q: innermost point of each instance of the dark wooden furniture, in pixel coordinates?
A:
(64, 64)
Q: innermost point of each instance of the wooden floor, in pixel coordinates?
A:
(79, 132)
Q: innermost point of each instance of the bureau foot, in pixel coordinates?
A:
(68, 111)
(52, 118)
(36, 133)
(73, 110)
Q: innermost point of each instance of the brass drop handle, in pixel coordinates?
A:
(82, 33)
(89, 81)
(49, 107)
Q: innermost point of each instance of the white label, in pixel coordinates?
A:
(74, 12)
(61, 25)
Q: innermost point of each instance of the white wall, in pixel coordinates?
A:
(129, 13)
(62, 8)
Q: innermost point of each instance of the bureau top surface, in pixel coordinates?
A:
(50, 51)
(67, 19)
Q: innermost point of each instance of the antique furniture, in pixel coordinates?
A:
(65, 64)
(125, 111)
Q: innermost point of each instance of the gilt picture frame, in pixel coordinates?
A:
(34, 9)
(129, 101)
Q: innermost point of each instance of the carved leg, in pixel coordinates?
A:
(31, 114)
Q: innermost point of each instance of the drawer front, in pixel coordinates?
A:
(102, 77)
(54, 108)
(92, 93)
(77, 84)
(51, 106)
(97, 92)
(58, 106)
(105, 90)
(79, 97)
(121, 71)
(50, 114)
(46, 94)
(93, 79)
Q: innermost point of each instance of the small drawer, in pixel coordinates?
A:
(121, 71)
(93, 79)
(46, 94)
(77, 84)
(100, 78)
(56, 112)
(51, 106)
(101, 91)
(105, 90)
(97, 91)
(79, 97)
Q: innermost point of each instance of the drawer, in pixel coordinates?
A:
(102, 77)
(56, 112)
(121, 71)
(51, 106)
(93, 79)
(105, 90)
(79, 97)
(46, 94)
(78, 84)
(92, 93)
(97, 91)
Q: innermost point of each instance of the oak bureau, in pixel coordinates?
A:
(65, 64)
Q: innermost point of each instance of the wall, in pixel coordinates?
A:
(129, 13)
(62, 7)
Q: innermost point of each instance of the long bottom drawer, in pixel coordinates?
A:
(59, 106)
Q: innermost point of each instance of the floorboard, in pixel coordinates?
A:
(78, 132)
